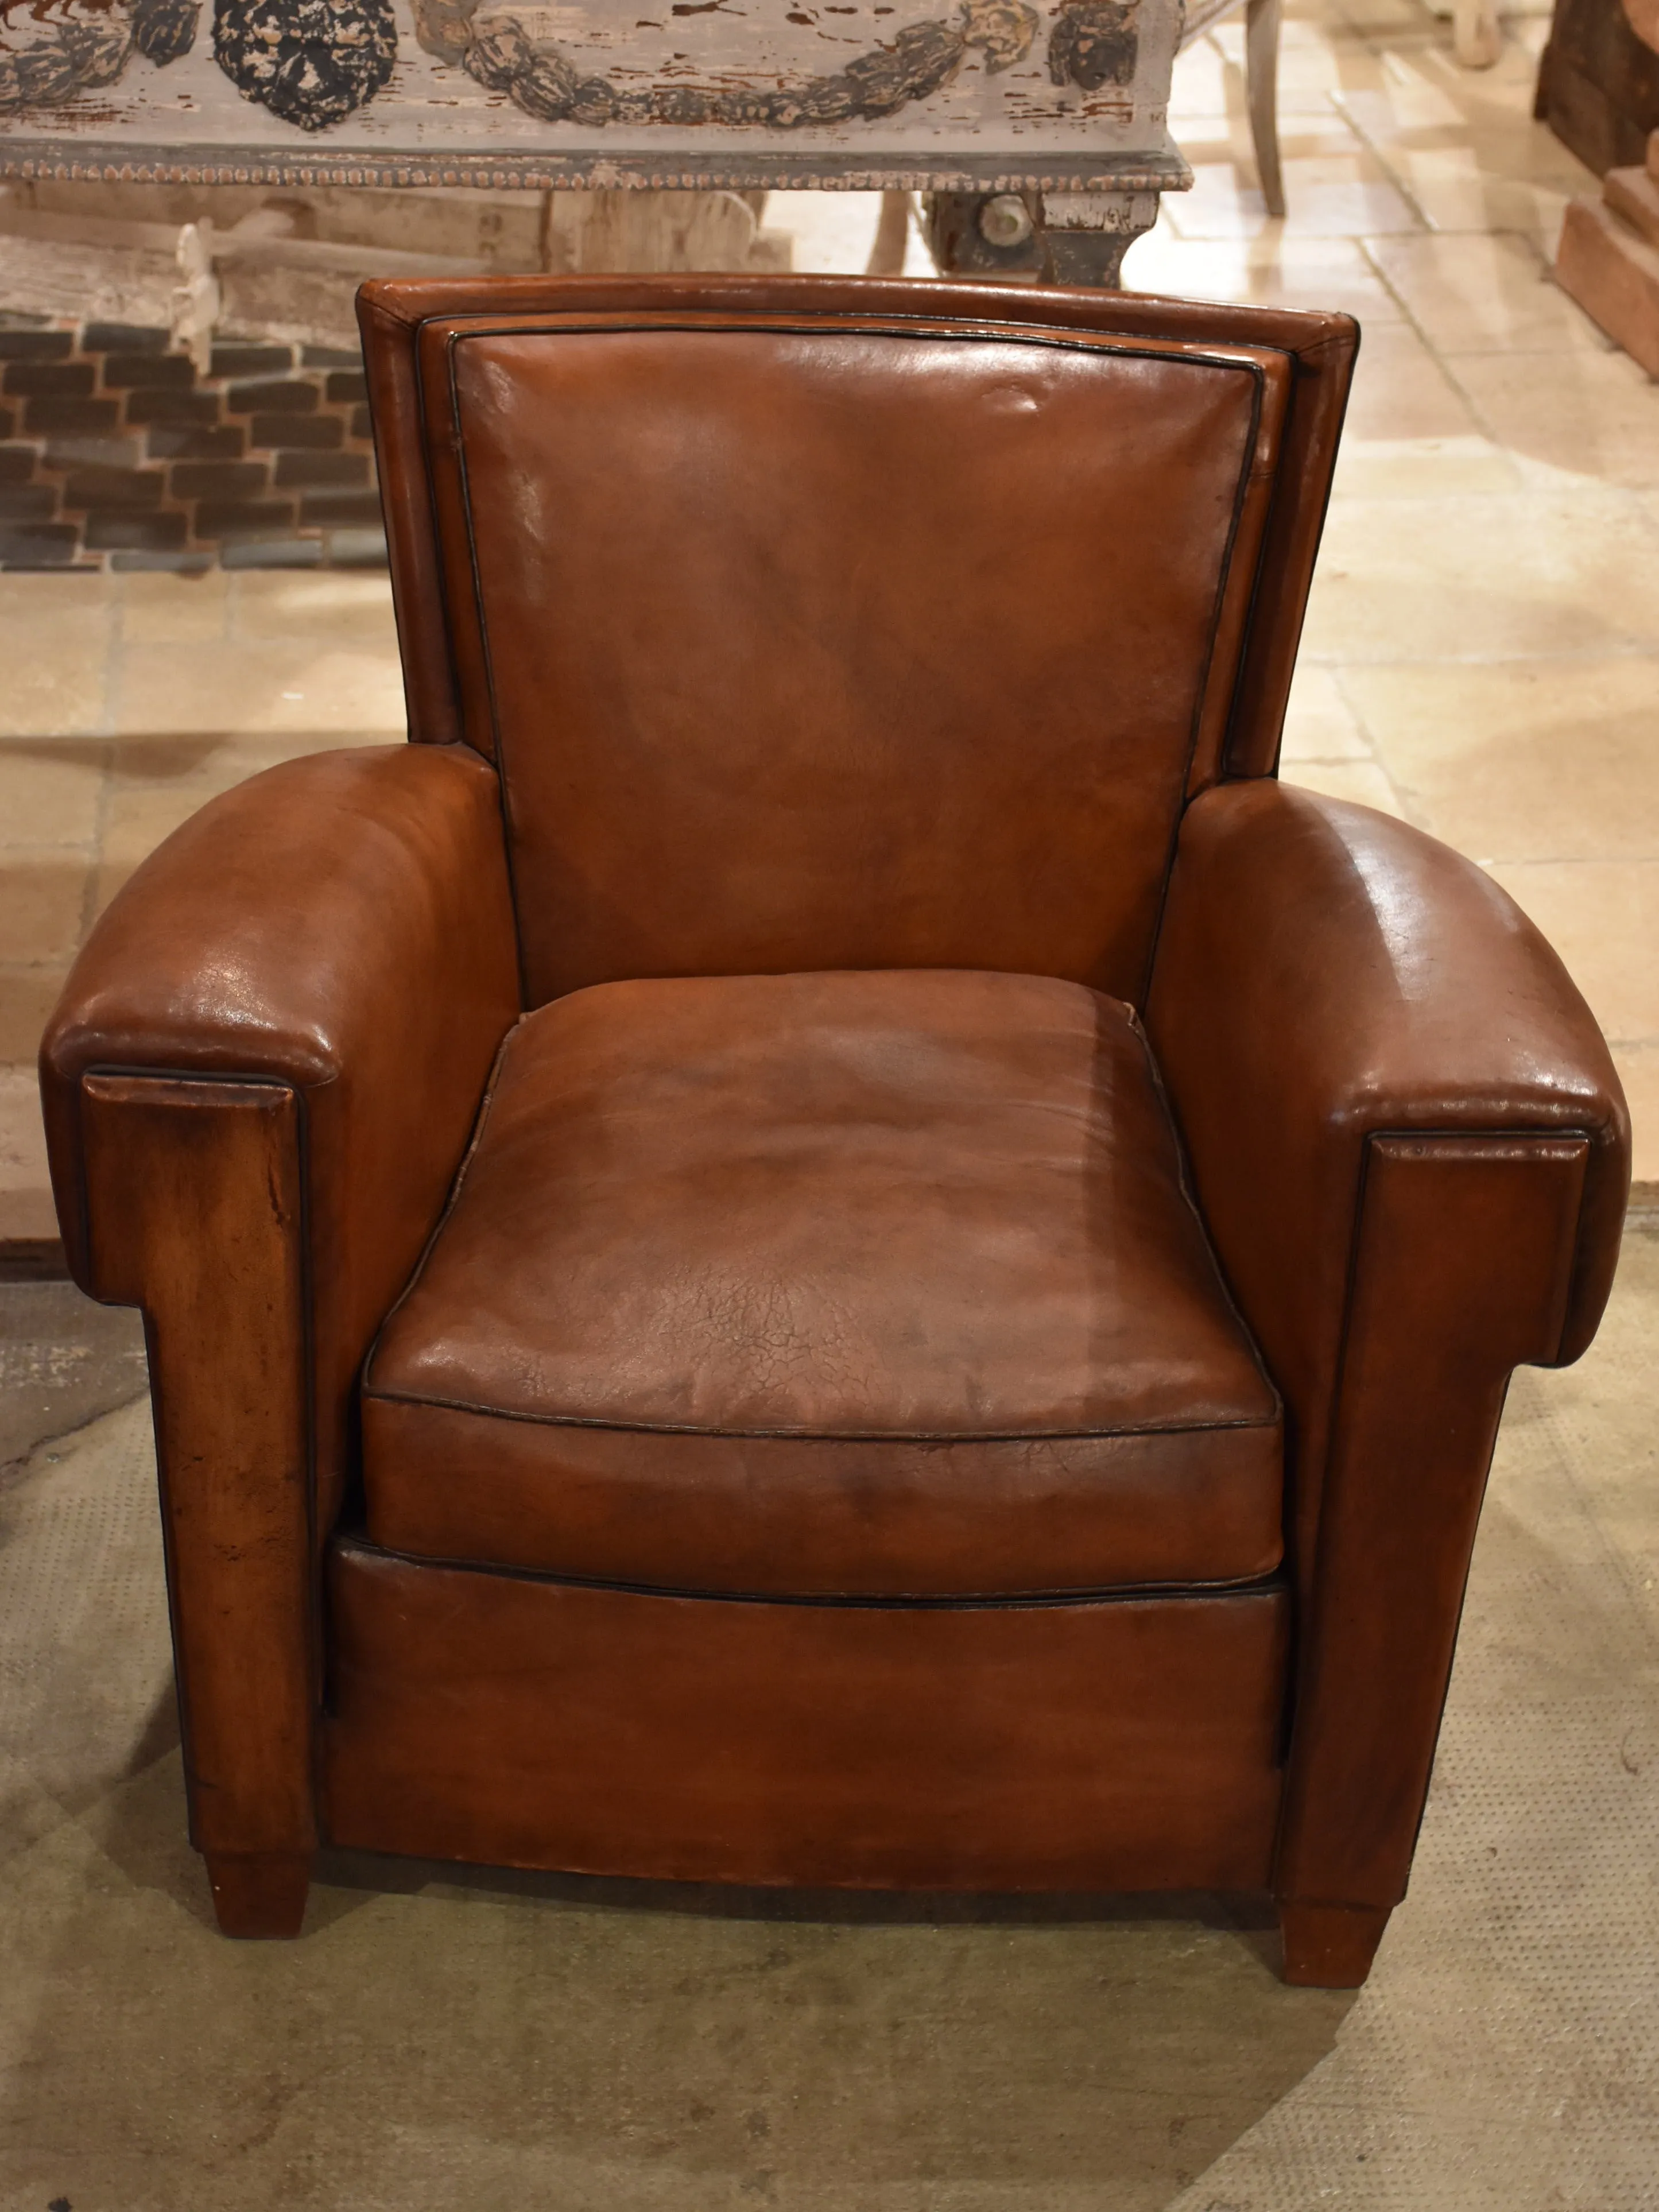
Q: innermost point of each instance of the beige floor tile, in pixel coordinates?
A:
(1593, 413)
(55, 633)
(1499, 578)
(42, 892)
(1639, 1071)
(332, 606)
(1401, 391)
(25, 1208)
(169, 609)
(1480, 293)
(1273, 270)
(1424, 468)
(1315, 60)
(1602, 917)
(49, 792)
(1362, 781)
(1319, 723)
(260, 684)
(28, 992)
(1332, 189)
(1523, 760)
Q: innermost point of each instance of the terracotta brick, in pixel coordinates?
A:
(124, 488)
(165, 532)
(219, 480)
(16, 464)
(36, 345)
(362, 427)
(50, 417)
(58, 379)
(327, 510)
(303, 468)
(251, 361)
(189, 442)
(293, 397)
(165, 402)
(1614, 274)
(347, 387)
(124, 369)
(27, 503)
(311, 430)
(123, 337)
(38, 544)
(91, 454)
(243, 518)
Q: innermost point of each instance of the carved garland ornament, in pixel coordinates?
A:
(314, 62)
(503, 56)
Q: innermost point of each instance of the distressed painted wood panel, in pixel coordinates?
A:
(986, 95)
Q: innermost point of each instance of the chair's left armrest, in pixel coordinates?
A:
(1412, 1152)
(340, 926)
(258, 1084)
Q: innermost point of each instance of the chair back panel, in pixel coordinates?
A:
(883, 641)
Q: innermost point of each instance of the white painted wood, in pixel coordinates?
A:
(999, 105)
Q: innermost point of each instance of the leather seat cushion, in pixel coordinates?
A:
(875, 1284)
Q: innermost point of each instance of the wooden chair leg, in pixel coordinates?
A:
(259, 1894)
(1329, 1947)
(1261, 93)
(1477, 40)
(892, 236)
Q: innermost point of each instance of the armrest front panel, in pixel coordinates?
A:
(339, 924)
(1411, 1148)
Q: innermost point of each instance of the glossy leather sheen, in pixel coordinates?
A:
(340, 924)
(813, 1443)
(1129, 1745)
(881, 1283)
(1317, 351)
(1326, 974)
(939, 707)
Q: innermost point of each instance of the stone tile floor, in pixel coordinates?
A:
(1481, 652)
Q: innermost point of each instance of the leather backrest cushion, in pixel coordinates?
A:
(878, 647)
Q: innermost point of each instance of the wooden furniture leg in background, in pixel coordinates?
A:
(1045, 238)
(1261, 91)
(1476, 40)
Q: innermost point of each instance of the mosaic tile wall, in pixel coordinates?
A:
(115, 453)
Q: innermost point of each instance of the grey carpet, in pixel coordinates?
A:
(451, 2041)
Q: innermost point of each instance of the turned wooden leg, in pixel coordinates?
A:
(259, 1893)
(1476, 40)
(1261, 92)
(1329, 1947)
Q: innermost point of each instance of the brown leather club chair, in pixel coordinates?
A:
(823, 1238)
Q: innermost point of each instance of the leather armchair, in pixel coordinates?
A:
(822, 1238)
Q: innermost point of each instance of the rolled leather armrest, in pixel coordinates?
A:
(258, 1084)
(340, 926)
(1412, 1152)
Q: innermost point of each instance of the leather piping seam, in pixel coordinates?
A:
(1161, 1091)
(1172, 838)
(315, 1634)
(1270, 1585)
(972, 1439)
(439, 567)
(448, 1206)
(1192, 356)
(1331, 347)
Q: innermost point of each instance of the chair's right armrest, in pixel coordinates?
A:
(1411, 1149)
